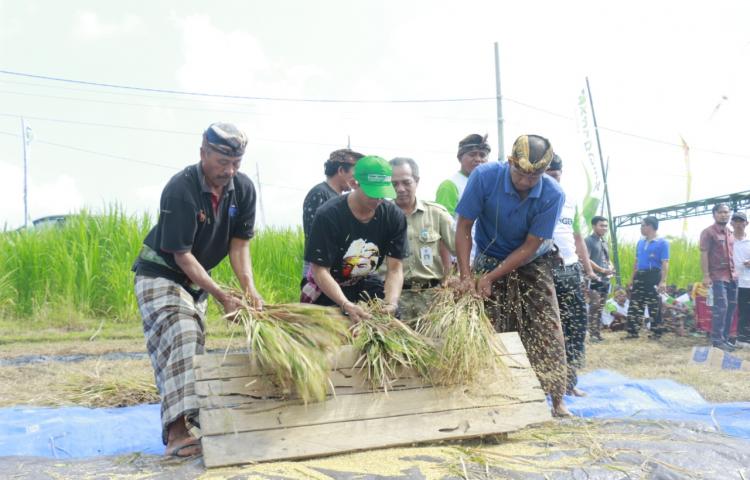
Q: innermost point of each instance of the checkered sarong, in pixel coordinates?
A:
(174, 327)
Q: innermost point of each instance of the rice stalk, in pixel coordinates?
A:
(469, 347)
(92, 389)
(292, 343)
(388, 347)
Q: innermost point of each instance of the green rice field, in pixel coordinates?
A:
(59, 276)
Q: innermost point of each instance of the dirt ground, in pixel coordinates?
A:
(91, 374)
(569, 449)
(117, 372)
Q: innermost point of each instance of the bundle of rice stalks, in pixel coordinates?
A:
(292, 342)
(97, 389)
(388, 347)
(468, 345)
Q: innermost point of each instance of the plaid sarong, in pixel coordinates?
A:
(525, 301)
(174, 327)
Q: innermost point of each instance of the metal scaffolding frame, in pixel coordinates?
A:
(696, 208)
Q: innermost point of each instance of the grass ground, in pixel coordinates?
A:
(669, 358)
(101, 382)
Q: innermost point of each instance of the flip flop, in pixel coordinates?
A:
(175, 453)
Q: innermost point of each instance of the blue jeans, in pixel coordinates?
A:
(725, 301)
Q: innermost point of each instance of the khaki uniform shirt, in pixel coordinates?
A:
(426, 226)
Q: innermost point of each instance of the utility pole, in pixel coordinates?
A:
(24, 141)
(499, 99)
(260, 196)
(612, 227)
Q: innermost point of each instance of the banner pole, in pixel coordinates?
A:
(612, 226)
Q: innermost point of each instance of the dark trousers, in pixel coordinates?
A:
(597, 297)
(568, 287)
(367, 288)
(743, 303)
(645, 295)
(725, 302)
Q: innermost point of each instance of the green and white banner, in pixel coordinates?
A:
(591, 164)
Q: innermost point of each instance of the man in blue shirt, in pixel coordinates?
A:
(516, 207)
(649, 279)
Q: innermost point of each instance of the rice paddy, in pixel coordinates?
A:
(80, 271)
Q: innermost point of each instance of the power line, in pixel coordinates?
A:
(103, 154)
(241, 97)
(131, 104)
(193, 133)
(129, 159)
(511, 100)
(198, 109)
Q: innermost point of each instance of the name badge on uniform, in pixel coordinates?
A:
(425, 255)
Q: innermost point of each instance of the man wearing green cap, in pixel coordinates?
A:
(516, 208)
(351, 237)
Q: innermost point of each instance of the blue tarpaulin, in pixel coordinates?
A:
(611, 395)
(77, 432)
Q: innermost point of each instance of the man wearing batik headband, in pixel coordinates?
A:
(472, 152)
(516, 207)
(207, 212)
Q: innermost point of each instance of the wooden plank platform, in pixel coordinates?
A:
(246, 418)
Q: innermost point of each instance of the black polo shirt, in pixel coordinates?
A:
(188, 222)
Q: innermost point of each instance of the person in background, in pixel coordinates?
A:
(598, 249)
(649, 279)
(472, 152)
(742, 265)
(207, 212)
(516, 207)
(673, 312)
(717, 264)
(431, 240)
(615, 312)
(568, 275)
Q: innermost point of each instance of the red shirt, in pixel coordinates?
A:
(718, 242)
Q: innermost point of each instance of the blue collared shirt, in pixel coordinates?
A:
(503, 219)
(649, 255)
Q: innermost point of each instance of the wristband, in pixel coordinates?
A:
(344, 305)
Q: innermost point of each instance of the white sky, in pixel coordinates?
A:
(657, 70)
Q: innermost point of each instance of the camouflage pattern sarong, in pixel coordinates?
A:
(174, 327)
(525, 301)
(414, 302)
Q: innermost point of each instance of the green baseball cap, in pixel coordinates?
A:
(374, 177)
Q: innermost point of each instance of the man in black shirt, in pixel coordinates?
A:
(207, 211)
(338, 171)
(350, 238)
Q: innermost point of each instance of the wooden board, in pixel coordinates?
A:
(246, 418)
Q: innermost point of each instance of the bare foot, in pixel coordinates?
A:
(187, 447)
(179, 441)
(577, 392)
(559, 409)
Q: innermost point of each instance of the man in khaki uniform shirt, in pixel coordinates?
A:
(431, 240)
